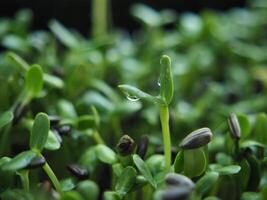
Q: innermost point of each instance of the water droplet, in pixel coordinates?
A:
(132, 98)
(158, 82)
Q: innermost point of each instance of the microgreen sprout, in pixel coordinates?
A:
(162, 101)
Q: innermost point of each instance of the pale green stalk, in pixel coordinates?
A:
(164, 118)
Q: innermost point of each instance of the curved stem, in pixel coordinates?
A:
(24, 176)
(164, 118)
(52, 177)
(98, 138)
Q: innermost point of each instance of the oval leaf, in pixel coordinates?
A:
(39, 132)
(206, 182)
(228, 170)
(21, 161)
(179, 162)
(194, 162)
(105, 154)
(52, 142)
(34, 81)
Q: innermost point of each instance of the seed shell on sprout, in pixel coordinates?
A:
(173, 179)
(176, 193)
(63, 129)
(234, 126)
(78, 171)
(196, 139)
(36, 162)
(54, 120)
(142, 146)
(125, 145)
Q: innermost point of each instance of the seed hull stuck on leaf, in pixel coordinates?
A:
(176, 193)
(142, 146)
(179, 180)
(37, 162)
(234, 126)
(197, 139)
(125, 145)
(78, 171)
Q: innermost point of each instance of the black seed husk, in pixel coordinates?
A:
(196, 139)
(142, 146)
(78, 171)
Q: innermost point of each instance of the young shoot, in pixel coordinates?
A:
(162, 101)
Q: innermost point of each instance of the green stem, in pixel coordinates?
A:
(98, 138)
(99, 17)
(52, 177)
(236, 146)
(164, 118)
(24, 176)
(5, 142)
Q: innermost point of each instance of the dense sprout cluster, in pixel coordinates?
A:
(68, 132)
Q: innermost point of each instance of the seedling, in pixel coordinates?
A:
(162, 101)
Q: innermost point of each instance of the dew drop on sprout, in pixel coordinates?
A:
(158, 82)
(132, 98)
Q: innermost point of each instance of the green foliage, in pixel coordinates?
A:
(39, 132)
(205, 69)
(6, 118)
(20, 161)
(34, 81)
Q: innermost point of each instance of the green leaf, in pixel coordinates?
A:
(53, 81)
(17, 60)
(244, 125)
(6, 118)
(134, 94)
(71, 195)
(105, 154)
(251, 196)
(66, 109)
(146, 15)
(20, 161)
(64, 35)
(195, 162)
(260, 128)
(144, 170)
(156, 163)
(206, 182)
(4, 160)
(223, 159)
(67, 184)
(85, 122)
(52, 142)
(88, 189)
(16, 194)
(243, 175)
(89, 159)
(165, 79)
(211, 198)
(179, 162)
(227, 170)
(126, 181)
(34, 81)
(255, 172)
(110, 195)
(39, 132)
